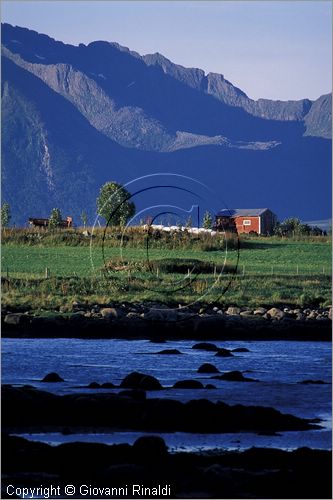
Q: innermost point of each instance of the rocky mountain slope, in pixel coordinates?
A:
(74, 117)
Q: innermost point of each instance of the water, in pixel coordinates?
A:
(278, 366)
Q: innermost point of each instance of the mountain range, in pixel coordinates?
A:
(74, 117)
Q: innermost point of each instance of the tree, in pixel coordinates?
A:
(55, 218)
(84, 218)
(207, 220)
(292, 226)
(113, 204)
(5, 215)
(188, 224)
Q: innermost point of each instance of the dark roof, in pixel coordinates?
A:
(247, 212)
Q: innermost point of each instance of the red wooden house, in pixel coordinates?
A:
(246, 220)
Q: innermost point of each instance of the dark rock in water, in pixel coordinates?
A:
(108, 385)
(30, 408)
(253, 473)
(234, 376)
(188, 384)
(169, 351)
(150, 449)
(136, 380)
(66, 431)
(208, 368)
(224, 353)
(137, 394)
(240, 349)
(205, 346)
(94, 385)
(210, 386)
(312, 382)
(268, 433)
(52, 377)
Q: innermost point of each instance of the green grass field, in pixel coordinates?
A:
(270, 271)
(256, 256)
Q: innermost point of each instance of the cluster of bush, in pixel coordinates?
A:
(294, 227)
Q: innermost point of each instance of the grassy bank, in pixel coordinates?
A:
(173, 269)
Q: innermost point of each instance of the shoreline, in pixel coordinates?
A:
(195, 327)
(253, 473)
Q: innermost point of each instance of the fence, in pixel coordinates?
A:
(280, 270)
(242, 270)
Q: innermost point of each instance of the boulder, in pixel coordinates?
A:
(133, 315)
(169, 351)
(15, 318)
(275, 313)
(205, 346)
(234, 376)
(109, 312)
(188, 384)
(210, 386)
(312, 382)
(240, 349)
(161, 315)
(233, 311)
(208, 368)
(94, 385)
(246, 314)
(260, 311)
(137, 394)
(52, 377)
(150, 449)
(224, 353)
(136, 380)
(107, 385)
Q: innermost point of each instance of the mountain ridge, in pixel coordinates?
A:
(74, 117)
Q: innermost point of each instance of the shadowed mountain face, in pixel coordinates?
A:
(75, 117)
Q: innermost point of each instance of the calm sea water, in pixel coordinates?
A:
(278, 366)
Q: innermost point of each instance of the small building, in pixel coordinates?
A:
(246, 220)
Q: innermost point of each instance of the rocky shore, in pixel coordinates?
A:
(254, 473)
(153, 320)
(26, 407)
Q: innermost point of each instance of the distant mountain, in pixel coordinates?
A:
(216, 85)
(75, 117)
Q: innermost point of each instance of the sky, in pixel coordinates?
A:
(269, 49)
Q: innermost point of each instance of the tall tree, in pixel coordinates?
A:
(5, 215)
(84, 218)
(55, 218)
(114, 205)
(207, 220)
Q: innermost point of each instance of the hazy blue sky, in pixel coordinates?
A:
(273, 49)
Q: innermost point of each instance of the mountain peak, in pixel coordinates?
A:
(90, 113)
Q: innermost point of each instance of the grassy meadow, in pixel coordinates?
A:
(49, 270)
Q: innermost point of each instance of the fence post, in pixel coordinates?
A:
(7, 272)
(214, 271)
(297, 269)
(47, 272)
(243, 269)
(272, 270)
(157, 272)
